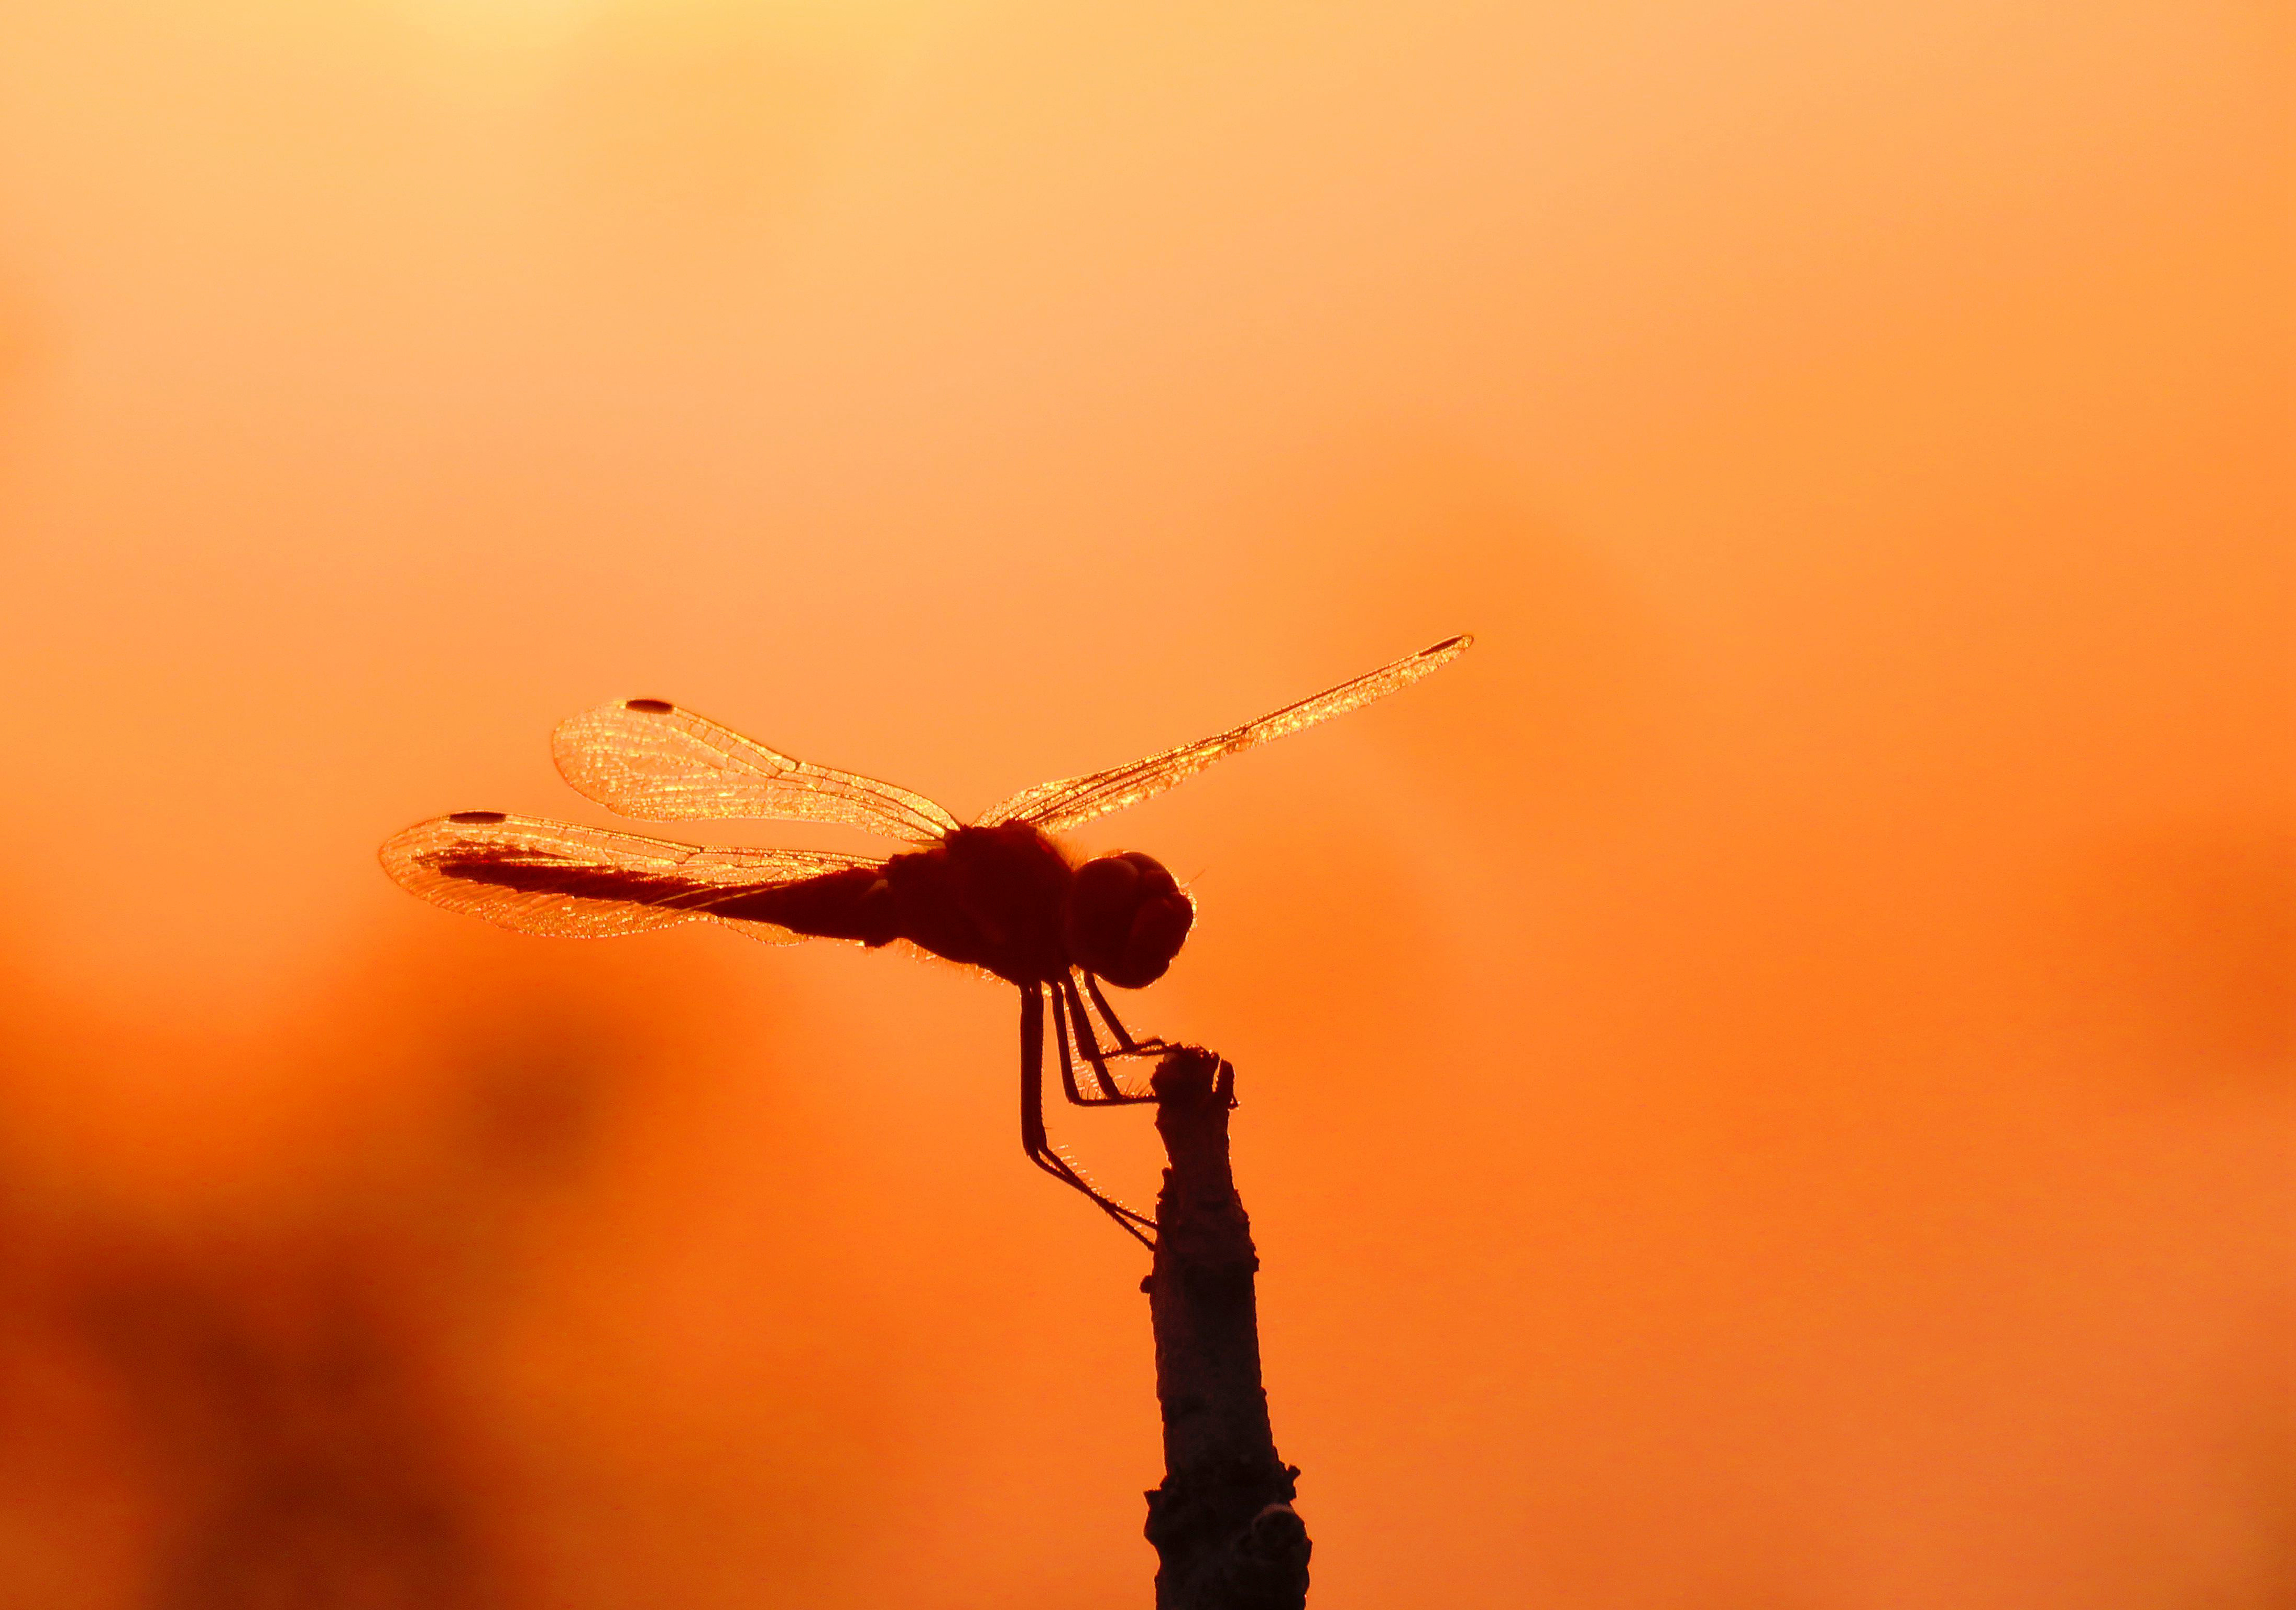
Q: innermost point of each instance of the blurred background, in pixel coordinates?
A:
(1767, 1084)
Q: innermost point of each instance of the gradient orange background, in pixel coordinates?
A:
(1765, 1084)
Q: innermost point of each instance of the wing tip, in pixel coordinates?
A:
(1450, 648)
(406, 854)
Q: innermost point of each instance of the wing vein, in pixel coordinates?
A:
(561, 879)
(645, 758)
(1070, 801)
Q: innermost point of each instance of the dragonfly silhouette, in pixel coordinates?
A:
(997, 894)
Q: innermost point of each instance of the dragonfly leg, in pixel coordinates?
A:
(1065, 998)
(1067, 1063)
(1125, 1046)
(1033, 1138)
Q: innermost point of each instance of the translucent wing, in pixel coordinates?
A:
(646, 758)
(555, 878)
(1052, 807)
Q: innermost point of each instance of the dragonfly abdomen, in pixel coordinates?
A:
(854, 903)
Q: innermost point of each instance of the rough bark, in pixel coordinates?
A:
(1226, 1534)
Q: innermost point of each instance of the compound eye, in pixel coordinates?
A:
(1153, 879)
(1125, 918)
(1111, 883)
(1159, 928)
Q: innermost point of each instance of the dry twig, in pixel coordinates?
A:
(1226, 1534)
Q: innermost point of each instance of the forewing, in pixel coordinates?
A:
(648, 758)
(1053, 806)
(565, 881)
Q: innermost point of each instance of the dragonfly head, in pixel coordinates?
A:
(1126, 918)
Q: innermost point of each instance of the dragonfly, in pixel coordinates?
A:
(998, 894)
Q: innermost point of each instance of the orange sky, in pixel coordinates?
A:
(1766, 1084)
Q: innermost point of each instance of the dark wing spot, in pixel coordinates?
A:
(477, 818)
(649, 707)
